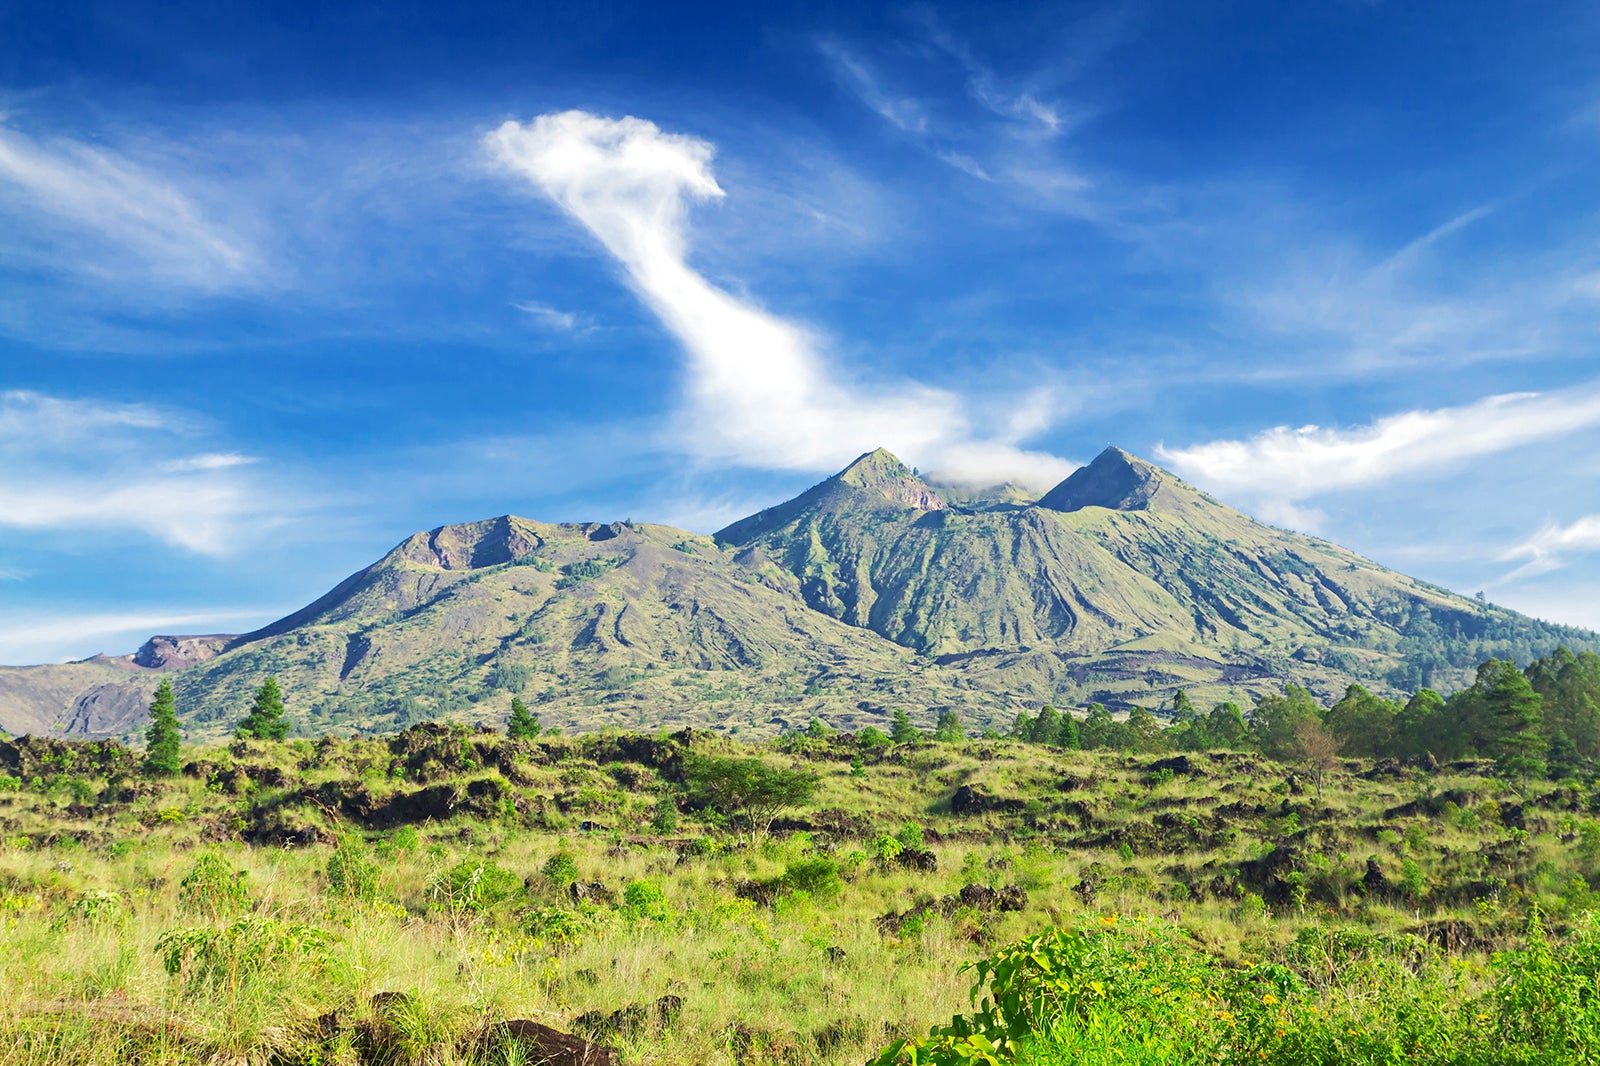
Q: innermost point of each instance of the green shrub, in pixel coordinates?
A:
(351, 874)
(99, 907)
(665, 821)
(561, 868)
(818, 876)
(645, 901)
(402, 841)
(237, 953)
(473, 885)
(213, 887)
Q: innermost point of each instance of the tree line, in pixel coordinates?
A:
(1543, 720)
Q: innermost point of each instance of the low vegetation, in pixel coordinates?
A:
(455, 895)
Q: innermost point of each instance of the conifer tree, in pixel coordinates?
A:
(903, 732)
(1068, 736)
(265, 720)
(1047, 727)
(523, 723)
(162, 739)
(1515, 708)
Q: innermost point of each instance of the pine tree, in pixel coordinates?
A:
(1068, 736)
(1046, 727)
(162, 739)
(265, 720)
(1515, 711)
(523, 723)
(903, 732)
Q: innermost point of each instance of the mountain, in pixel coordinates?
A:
(873, 590)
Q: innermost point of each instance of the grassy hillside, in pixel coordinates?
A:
(397, 900)
(1122, 585)
(870, 592)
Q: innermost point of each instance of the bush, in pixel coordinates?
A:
(237, 953)
(561, 868)
(645, 901)
(473, 885)
(351, 874)
(665, 821)
(213, 887)
(817, 876)
(402, 841)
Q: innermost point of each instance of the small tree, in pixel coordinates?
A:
(871, 738)
(1068, 736)
(1316, 745)
(903, 732)
(523, 723)
(265, 720)
(746, 790)
(949, 728)
(162, 739)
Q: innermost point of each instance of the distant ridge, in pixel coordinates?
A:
(871, 591)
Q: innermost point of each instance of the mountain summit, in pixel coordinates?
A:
(1118, 481)
(875, 481)
(869, 592)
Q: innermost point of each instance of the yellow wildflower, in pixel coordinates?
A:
(1269, 999)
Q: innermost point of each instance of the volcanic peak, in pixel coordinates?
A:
(1118, 481)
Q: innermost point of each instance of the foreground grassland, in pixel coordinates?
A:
(395, 900)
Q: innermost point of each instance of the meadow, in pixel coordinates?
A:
(417, 898)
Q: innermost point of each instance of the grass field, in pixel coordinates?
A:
(251, 909)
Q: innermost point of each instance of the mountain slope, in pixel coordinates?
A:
(1122, 582)
(871, 591)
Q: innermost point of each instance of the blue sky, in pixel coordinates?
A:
(280, 285)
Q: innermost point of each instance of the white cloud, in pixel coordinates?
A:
(41, 637)
(68, 463)
(550, 318)
(208, 461)
(760, 394)
(1546, 549)
(1283, 467)
(144, 221)
(899, 111)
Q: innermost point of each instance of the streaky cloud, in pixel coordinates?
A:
(144, 221)
(1547, 549)
(72, 463)
(1283, 467)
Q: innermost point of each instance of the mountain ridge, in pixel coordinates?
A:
(872, 590)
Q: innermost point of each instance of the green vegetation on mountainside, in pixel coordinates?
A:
(871, 591)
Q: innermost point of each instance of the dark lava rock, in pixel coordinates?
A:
(1374, 880)
(969, 800)
(540, 1045)
(1178, 764)
(918, 859)
(591, 892)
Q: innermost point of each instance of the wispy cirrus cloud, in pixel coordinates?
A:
(42, 637)
(552, 319)
(992, 129)
(1282, 468)
(85, 207)
(80, 463)
(760, 392)
(1548, 549)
